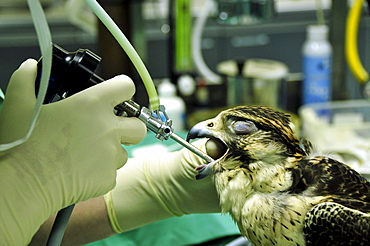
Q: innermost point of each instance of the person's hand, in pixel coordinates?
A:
(71, 155)
(156, 187)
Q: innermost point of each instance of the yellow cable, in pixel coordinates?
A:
(351, 50)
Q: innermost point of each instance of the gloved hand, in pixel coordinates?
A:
(71, 155)
(153, 188)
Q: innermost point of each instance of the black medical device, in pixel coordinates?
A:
(71, 72)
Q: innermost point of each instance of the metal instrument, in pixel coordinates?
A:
(74, 71)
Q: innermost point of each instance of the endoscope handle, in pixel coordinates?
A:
(71, 72)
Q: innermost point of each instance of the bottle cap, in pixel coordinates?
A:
(317, 32)
(166, 88)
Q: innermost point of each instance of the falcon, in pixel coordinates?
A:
(276, 191)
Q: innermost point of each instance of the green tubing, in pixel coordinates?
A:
(129, 49)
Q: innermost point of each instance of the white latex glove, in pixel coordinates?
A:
(157, 187)
(71, 156)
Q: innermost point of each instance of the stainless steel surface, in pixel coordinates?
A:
(191, 147)
(160, 126)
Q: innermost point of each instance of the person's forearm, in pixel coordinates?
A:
(148, 189)
(154, 188)
(88, 223)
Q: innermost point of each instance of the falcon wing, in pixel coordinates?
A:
(330, 223)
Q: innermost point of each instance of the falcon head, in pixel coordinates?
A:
(251, 141)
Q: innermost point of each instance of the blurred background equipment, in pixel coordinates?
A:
(254, 81)
(217, 53)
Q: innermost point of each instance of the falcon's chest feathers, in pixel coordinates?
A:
(270, 186)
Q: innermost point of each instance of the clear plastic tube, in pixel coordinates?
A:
(200, 65)
(129, 49)
(44, 38)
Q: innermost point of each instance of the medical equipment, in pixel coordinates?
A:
(74, 71)
(80, 66)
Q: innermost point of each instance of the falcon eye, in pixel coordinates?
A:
(210, 124)
(243, 127)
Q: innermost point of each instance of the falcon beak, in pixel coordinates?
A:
(215, 147)
(200, 130)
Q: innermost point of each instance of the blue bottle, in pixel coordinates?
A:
(317, 65)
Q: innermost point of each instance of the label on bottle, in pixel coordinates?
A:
(317, 79)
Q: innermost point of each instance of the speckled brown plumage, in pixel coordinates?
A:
(331, 223)
(276, 192)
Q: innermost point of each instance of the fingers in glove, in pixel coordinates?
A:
(115, 90)
(131, 130)
(192, 159)
(20, 99)
(21, 87)
(122, 157)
